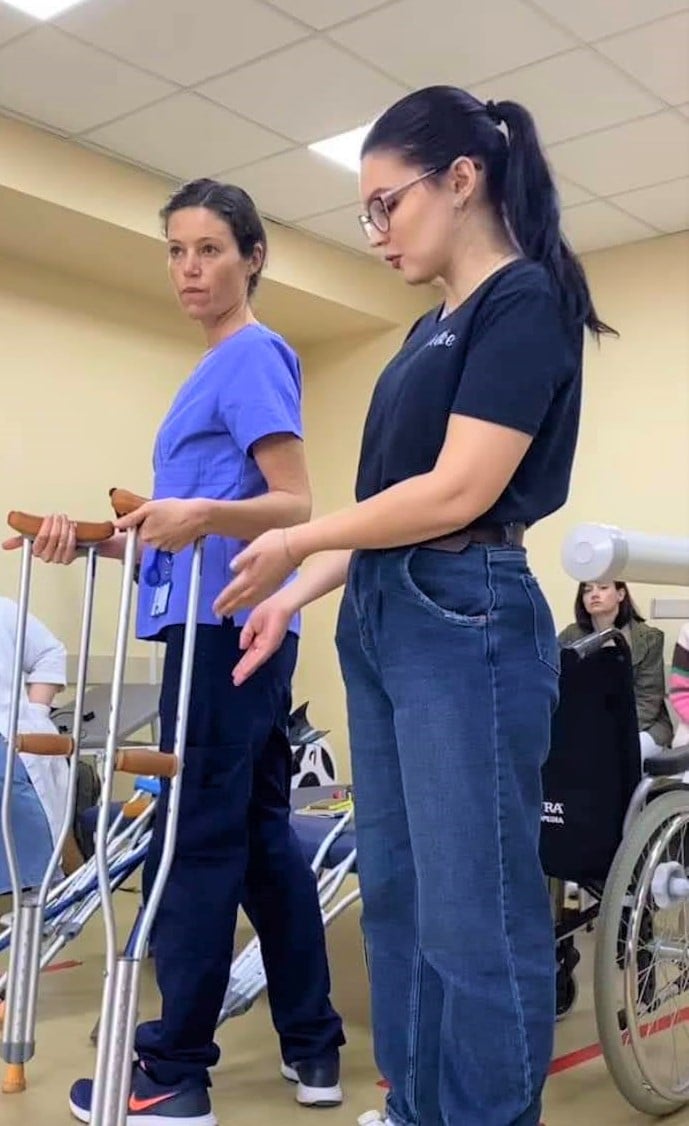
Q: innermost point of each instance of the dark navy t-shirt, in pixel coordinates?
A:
(505, 356)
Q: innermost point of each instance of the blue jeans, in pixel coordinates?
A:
(451, 668)
(234, 844)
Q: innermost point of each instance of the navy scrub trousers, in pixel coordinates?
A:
(235, 845)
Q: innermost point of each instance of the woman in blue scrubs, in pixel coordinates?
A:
(228, 464)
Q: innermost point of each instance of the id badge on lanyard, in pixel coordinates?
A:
(158, 574)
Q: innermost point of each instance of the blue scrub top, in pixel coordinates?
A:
(245, 388)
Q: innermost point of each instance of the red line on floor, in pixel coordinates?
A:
(61, 966)
(592, 1051)
(575, 1059)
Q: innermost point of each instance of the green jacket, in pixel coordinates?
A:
(649, 677)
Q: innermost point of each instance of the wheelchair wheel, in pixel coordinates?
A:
(641, 970)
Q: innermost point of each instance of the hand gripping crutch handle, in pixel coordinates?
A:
(149, 762)
(58, 746)
(86, 532)
(124, 502)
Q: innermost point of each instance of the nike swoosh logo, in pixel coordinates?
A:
(137, 1106)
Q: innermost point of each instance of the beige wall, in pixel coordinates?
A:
(632, 466)
(87, 373)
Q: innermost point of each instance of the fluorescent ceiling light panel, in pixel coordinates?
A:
(43, 9)
(343, 149)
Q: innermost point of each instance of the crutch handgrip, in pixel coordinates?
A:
(146, 762)
(124, 502)
(136, 806)
(86, 533)
(53, 745)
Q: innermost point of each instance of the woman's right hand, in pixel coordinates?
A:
(262, 636)
(56, 541)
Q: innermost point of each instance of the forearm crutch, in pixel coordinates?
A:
(113, 1073)
(19, 1026)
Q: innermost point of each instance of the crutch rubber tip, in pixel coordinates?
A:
(15, 1080)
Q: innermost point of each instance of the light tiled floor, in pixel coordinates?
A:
(248, 1090)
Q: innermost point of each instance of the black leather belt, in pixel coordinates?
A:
(497, 535)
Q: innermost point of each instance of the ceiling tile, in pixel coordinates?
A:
(296, 184)
(325, 13)
(592, 19)
(571, 94)
(186, 136)
(592, 226)
(341, 226)
(13, 23)
(665, 206)
(657, 55)
(571, 194)
(93, 87)
(323, 91)
(185, 42)
(440, 41)
(629, 156)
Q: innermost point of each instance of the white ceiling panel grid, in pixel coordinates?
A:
(239, 88)
(295, 184)
(187, 136)
(591, 94)
(422, 42)
(656, 55)
(321, 14)
(309, 91)
(93, 86)
(592, 226)
(592, 19)
(182, 41)
(664, 206)
(649, 151)
(13, 23)
(341, 226)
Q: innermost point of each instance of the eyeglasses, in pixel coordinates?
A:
(377, 218)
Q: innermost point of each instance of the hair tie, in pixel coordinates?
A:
(494, 113)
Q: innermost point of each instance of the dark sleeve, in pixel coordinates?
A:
(649, 682)
(517, 362)
(569, 634)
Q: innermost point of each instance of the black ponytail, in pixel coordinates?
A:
(531, 207)
(432, 127)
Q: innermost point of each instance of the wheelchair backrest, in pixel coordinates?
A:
(594, 765)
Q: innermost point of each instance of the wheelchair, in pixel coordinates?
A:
(620, 830)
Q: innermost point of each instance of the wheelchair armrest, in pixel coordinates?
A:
(667, 762)
(593, 642)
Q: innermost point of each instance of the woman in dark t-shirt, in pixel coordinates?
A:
(447, 645)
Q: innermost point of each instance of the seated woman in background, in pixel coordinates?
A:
(39, 783)
(679, 686)
(597, 607)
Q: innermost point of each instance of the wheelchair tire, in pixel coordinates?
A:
(626, 874)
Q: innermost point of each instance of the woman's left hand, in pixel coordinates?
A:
(167, 524)
(260, 570)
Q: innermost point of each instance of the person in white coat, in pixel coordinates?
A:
(40, 783)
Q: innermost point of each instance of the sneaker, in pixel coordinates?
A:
(373, 1116)
(318, 1081)
(151, 1104)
